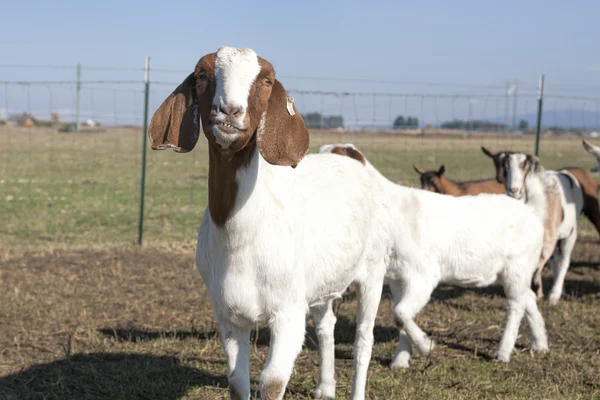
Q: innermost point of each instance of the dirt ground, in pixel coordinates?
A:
(131, 323)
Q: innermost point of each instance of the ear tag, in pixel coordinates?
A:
(290, 105)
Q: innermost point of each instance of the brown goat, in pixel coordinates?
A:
(436, 181)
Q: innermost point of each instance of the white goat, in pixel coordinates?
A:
(595, 151)
(274, 242)
(470, 241)
(525, 180)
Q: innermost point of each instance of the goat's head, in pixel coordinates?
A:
(345, 149)
(500, 162)
(236, 98)
(431, 180)
(517, 168)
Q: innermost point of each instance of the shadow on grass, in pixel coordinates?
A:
(107, 376)
(135, 335)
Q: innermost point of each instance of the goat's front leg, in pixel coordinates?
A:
(287, 336)
(324, 319)
(236, 343)
(560, 265)
(369, 296)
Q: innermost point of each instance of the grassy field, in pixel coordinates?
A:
(85, 314)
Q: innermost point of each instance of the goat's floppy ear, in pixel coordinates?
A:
(500, 164)
(441, 171)
(419, 170)
(487, 152)
(176, 122)
(282, 136)
(535, 163)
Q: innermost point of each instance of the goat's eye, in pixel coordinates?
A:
(202, 75)
(267, 81)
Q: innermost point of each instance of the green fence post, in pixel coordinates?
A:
(78, 99)
(144, 149)
(539, 115)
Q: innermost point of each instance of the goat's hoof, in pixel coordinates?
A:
(324, 392)
(426, 347)
(540, 348)
(553, 300)
(400, 361)
(396, 365)
(501, 357)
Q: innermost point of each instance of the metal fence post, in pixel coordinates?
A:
(144, 149)
(539, 116)
(78, 99)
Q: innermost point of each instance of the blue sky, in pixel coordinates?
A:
(474, 42)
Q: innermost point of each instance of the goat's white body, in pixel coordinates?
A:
(470, 241)
(445, 237)
(295, 239)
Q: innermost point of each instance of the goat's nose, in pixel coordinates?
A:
(514, 190)
(231, 109)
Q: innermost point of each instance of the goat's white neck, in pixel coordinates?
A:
(535, 193)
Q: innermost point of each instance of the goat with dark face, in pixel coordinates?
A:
(275, 241)
(525, 180)
(585, 182)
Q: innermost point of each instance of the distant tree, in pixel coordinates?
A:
(472, 125)
(523, 125)
(399, 122)
(316, 120)
(402, 122)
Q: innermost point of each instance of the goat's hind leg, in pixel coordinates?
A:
(402, 357)
(236, 343)
(560, 265)
(414, 299)
(369, 296)
(324, 319)
(539, 339)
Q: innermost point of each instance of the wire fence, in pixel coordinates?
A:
(62, 186)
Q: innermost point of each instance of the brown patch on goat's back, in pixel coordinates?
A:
(272, 389)
(350, 152)
(590, 187)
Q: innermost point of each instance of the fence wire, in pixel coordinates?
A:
(62, 186)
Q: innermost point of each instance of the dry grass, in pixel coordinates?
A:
(126, 322)
(86, 315)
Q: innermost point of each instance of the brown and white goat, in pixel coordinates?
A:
(524, 178)
(275, 242)
(437, 181)
(589, 186)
